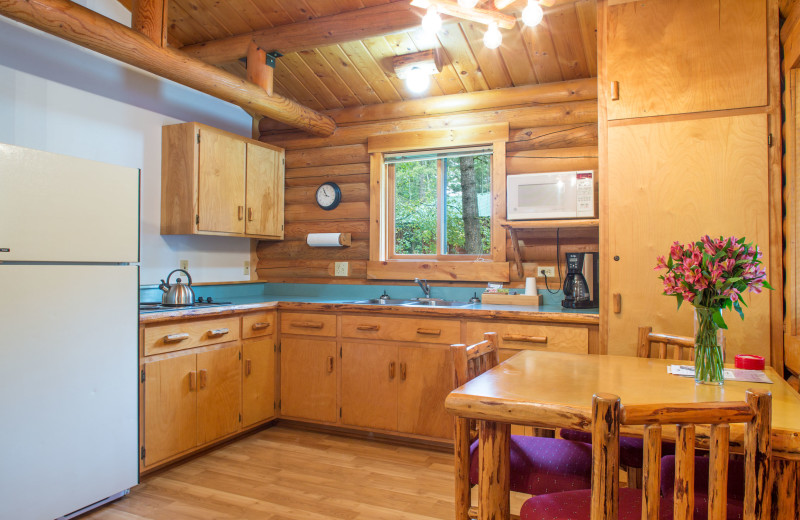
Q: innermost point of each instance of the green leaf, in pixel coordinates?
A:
(680, 300)
(768, 286)
(717, 317)
(738, 309)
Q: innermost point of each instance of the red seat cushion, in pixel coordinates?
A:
(736, 477)
(574, 505)
(631, 449)
(542, 465)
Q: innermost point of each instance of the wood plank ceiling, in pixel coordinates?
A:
(357, 73)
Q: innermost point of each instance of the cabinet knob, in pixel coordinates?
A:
(260, 325)
(330, 364)
(215, 333)
(615, 91)
(403, 367)
(617, 303)
(175, 338)
(241, 212)
(391, 370)
(192, 381)
(203, 378)
(525, 339)
(248, 367)
(307, 324)
(429, 332)
(373, 328)
(250, 214)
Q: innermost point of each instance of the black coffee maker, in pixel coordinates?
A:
(580, 284)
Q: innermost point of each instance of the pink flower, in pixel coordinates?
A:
(661, 263)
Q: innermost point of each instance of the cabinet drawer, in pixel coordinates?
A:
(188, 334)
(308, 324)
(259, 324)
(514, 337)
(401, 329)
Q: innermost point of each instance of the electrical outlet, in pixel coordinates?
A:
(549, 271)
(246, 267)
(340, 268)
(184, 264)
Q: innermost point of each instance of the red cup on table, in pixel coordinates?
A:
(749, 362)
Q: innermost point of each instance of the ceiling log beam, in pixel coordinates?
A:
(358, 24)
(149, 17)
(89, 29)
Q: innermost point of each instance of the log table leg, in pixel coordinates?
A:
(495, 471)
(785, 489)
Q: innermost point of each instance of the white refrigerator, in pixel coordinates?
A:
(69, 244)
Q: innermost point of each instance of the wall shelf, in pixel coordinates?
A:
(513, 225)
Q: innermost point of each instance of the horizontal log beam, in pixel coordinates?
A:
(84, 27)
(349, 26)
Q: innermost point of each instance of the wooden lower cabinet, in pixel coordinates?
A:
(258, 380)
(370, 373)
(170, 408)
(219, 393)
(308, 379)
(426, 377)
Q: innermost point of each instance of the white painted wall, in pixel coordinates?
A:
(61, 98)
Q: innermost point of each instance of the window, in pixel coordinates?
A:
(439, 204)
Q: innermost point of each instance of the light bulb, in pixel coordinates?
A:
(469, 4)
(417, 80)
(431, 22)
(532, 14)
(492, 39)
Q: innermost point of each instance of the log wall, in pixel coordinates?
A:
(553, 127)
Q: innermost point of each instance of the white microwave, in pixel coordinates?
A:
(550, 195)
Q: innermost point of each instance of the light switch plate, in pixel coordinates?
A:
(340, 269)
(184, 264)
(549, 271)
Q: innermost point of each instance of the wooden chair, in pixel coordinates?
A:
(631, 448)
(606, 501)
(537, 464)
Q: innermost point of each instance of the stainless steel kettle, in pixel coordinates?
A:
(177, 293)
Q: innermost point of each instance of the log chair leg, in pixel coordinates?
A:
(495, 471)
(462, 468)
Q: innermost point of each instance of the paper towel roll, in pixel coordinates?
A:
(530, 287)
(328, 239)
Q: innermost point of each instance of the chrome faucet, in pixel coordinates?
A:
(423, 284)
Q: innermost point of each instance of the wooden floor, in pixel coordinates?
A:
(286, 473)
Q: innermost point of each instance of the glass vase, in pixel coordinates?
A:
(709, 344)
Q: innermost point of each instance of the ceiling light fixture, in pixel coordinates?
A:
(492, 38)
(417, 68)
(432, 22)
(532, 14)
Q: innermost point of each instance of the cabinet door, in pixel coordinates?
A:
(681, 56)
(221, 183)
(170, 408)
(679, 181)
(264, 191)
(369, 385)
(219, 393)
(426, 377)
(258, 380)
(308, 379)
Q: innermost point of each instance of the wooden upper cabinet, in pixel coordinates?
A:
(217, 183)
(265, 170)
(681, 56)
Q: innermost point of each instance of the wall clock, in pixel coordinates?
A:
(329, 195)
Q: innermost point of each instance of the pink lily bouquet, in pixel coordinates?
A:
(712, 274)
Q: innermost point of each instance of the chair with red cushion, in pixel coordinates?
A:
(680, 348)
(606, 501)
(539, 465)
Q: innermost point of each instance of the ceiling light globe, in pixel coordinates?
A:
(492, 39)
(469, 4)
(418, 80)
(532, 14)
(431, 22)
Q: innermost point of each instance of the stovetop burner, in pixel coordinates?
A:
(159, 306)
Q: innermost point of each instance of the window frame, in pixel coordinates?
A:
(490, 267)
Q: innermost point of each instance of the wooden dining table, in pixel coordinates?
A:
(554, 390)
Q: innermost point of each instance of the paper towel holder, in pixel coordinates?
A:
(328, 239)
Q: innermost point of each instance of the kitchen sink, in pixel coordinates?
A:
(437, 303)
(378, 301)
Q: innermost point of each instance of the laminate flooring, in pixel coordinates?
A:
(284, 473)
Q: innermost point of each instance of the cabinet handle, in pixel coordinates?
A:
(249, 214)
(214, 333)
(391, 370)
(175, 338)
(369, 327)
(617, 303)
(307, 324)
(241, 212)
(260, 325)
(429, 332)
(248, 367)
(192, 381)
(330, 364)
(403, 371)
(615, 91)
(203, 378)
(526, 339)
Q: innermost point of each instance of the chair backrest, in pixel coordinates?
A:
(473, 360)
(607, 416)
(682, 347)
